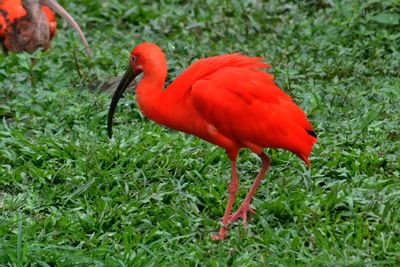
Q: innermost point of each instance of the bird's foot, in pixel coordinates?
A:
(242, 213)
(221, 234)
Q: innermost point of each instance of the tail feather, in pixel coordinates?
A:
(304, 158)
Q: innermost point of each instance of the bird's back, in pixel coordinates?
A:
(201, 68)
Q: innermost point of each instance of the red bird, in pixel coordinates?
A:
(226, 100)
(26, 25)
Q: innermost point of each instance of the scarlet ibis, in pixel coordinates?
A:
(26, 25)
(226, 100)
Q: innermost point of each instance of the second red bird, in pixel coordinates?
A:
(26, 25)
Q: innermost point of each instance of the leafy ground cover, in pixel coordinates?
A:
(152, 196)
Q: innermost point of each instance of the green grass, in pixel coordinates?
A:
(152, 196)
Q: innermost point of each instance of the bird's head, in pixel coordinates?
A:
(34, 26)
(147, 58)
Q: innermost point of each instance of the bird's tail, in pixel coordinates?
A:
(311, 138)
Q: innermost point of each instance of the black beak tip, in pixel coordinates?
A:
(109, 128)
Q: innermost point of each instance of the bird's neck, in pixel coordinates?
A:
(152, 99)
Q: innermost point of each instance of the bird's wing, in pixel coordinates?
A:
(3, 24)
(11, 10)
(244, 104)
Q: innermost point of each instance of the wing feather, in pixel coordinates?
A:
(207, 66)
(245, 105)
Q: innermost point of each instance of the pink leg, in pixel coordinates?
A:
(232, 192)
(245, 206)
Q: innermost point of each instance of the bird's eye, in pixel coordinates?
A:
(133, 59)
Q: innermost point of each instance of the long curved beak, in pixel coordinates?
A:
(56, 7)
(128, 77)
